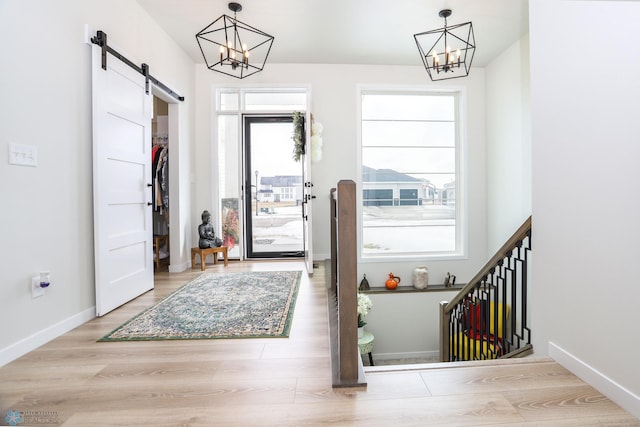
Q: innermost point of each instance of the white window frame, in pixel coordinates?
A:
(462, 196)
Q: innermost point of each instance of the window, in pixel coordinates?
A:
(410, 169)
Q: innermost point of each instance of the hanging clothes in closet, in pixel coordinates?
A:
(160, 188)
(161, 180)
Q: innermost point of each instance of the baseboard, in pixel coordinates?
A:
(614, 391)
(24, 346)
(435, 355)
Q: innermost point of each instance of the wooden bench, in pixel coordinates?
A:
(206, 251)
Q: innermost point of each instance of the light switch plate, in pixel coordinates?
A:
(23, 155)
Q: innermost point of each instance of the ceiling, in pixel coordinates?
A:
(347, 31)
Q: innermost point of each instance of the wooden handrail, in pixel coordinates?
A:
(504, 250)
(346, 364)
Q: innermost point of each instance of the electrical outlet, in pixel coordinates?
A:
(36, 290)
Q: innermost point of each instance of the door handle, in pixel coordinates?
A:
(149, 203)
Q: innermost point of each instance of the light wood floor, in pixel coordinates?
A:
(76, 381)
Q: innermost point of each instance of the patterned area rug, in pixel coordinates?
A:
(219, 305)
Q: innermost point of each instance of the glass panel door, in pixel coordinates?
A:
(273, 189)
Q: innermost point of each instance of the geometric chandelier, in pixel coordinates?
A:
(447, 52)
(232, 47)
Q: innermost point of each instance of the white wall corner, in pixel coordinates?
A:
(87, 33)
(24, 346)
(614, 391)
(179, 268)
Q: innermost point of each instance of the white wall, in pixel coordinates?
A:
(406, 325)
(334, 104)
(508, 169)
(508, 143)
(46, 220)
(585, 105)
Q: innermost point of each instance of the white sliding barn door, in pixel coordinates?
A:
(122, 114)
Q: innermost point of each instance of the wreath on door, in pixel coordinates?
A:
(298, 135)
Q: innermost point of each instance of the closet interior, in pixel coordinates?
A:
(160, 183)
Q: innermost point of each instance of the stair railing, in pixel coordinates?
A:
(488, 318)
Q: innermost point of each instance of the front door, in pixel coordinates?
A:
(121, 183)
(273, 189)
